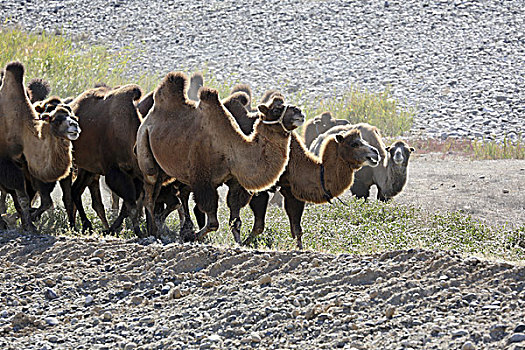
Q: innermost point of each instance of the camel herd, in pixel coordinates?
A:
(156, 150)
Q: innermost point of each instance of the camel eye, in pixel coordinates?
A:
(277, 112)
(354, 145)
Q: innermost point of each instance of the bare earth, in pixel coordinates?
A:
(91, 293)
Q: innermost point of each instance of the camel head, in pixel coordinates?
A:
(353, 149)
(64, 123)
(400, 152)
(288, 117)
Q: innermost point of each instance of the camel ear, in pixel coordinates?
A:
(46, 117)
(387, 148)
(40, 107)
(412, 149)
(263, 109)
(339, 138)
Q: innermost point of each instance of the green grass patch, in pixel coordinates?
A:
(373, 226)
(362, 106)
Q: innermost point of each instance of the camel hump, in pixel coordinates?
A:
(326, 117)
(17, 69)
(133, 91)
(239, 96)
(209, 95)
(243, 88)
(38, 89)
(172, 89)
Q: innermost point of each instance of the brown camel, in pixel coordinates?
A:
(109, 121)
(40, 146)
(313, 179)
(203, 147)
(342, 157)
(318, 125)
(389, 177)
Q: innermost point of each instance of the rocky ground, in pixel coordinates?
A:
(70, 293)
(461, 63)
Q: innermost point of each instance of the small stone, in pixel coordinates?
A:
(520, 328)
(127, 285)
(53, 339)
(390, 311)
(130, 346)
(175, 293)
(99, 253)
(468, 346)
(165, 289)
(265, 280)
(51, 321)
(255, 337)
(459, 333)
(49, 282)
(517, 338)
(506, 190)
(214, 338)
(89, 300)
(137, 299)
(107, 316)
(50, 294)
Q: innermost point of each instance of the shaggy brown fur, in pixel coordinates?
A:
(268, 95)
(318, 125)
(40, 145)
(109, 122)
(202, 146)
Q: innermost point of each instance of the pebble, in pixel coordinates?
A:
(265, 280)
(88, 300)
(50, 294)
(51, 321)
(107, 316)
(175, 293)
(468, 346)
(130, 346)
(517, 338)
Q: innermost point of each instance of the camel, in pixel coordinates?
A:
(109, 120)
(318, 125)
(389, 177)
(302, 180)
(202, 146)
(40, 146)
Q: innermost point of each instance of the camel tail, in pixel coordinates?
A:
(146, 159)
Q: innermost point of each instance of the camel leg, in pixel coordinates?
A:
(13, 181)
(187, 229)
(3, 202)
(96, 201)
(125, 187)
(151, 193)
(84, 178)
(236, 199)
(258, 205)
(166, 203)
(294, 209)
(207, 199)
(115, 201)
(46, 202)
(67, 199)
(361, 191)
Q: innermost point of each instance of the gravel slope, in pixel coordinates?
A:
(70, 293)
(461, 63)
